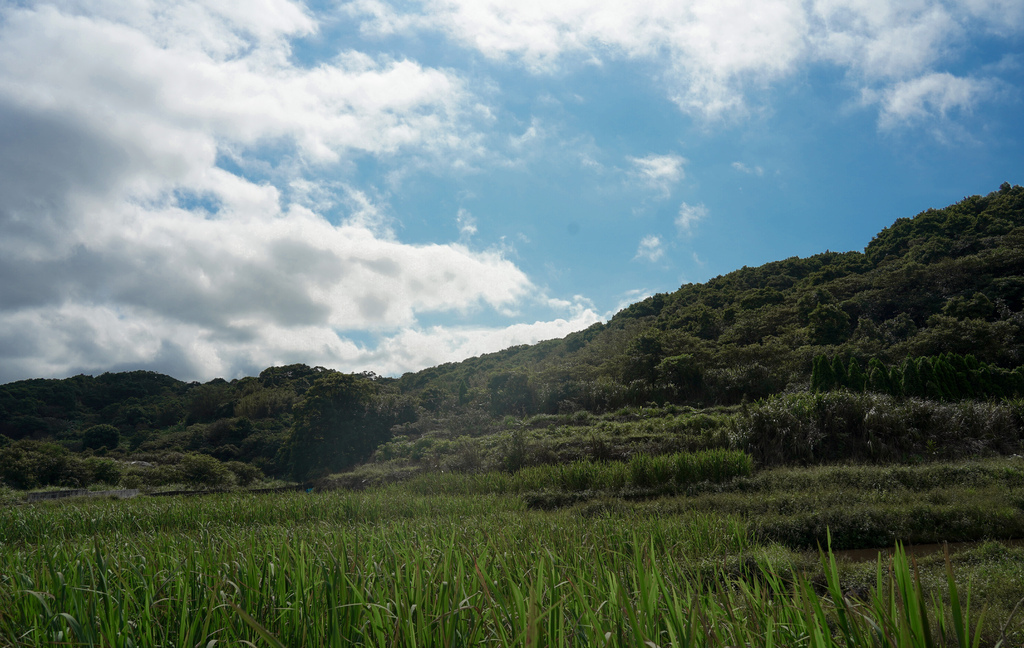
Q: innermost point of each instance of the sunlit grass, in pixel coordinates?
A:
(392, 567)
(441, 586)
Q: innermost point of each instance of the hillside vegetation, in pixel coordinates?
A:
(907, 351)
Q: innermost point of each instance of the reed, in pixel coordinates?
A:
(391, 567)
(446, 587)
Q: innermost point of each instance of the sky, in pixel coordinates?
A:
(207, 189)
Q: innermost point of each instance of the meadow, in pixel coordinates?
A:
(613, 558)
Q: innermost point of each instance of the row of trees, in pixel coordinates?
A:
(945, 377)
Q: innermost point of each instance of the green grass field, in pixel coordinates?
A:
(463, 560)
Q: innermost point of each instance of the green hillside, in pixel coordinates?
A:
(926, 324)
(946, 281)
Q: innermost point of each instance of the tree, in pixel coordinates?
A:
(204, 470)
(643, 354)
(911, 379)
(512, 393)
(101, 436)
(822, 377)
(839, 371)
(878, 378)
(828, 324)
(855, 378)
(337, 424)
(684, 373)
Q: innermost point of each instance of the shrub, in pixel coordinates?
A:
(204, 470)
(101, 436)
(104, 471)
(245, 474)
(29, 464)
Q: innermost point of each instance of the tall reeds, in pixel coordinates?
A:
(429, 587)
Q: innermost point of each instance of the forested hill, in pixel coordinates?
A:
(946, 286)
(946, 281)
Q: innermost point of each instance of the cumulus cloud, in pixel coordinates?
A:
(168, 106)
(124, 243)
(711, 44)
(710, 55)
(422, 347)
(76, 338)
(650, 249)
(220, 287)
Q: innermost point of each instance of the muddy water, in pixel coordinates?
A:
(864, 555)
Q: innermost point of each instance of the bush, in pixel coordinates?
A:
(31, 464)
(204, 470)
(245, 474)
(104, 471)
(101, 436)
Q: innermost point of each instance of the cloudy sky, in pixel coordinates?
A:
(210, 188)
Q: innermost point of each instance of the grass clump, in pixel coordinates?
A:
(669, 473)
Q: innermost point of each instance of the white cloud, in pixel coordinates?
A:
(650, 248)
(466, 223)
(415, 348)
(743, 168)
(885, 40)
(531, 135)
(712, 55)
(82, 338)
(660, 172)
(690, 215)
(134, 86)
(928, 96)
(711, 44)
(124, 244)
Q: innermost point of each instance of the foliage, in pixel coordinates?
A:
(340, 420)
(101, 436)
(204, 471)
(946, 377)
(848, 426)
(31, 464)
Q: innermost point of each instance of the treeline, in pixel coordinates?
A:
(846, 426)
(945, 377)
(145, 429)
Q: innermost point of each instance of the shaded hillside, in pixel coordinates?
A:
(211, 434)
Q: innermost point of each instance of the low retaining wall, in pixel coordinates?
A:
(132, 492)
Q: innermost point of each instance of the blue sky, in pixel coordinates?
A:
(209, 188)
